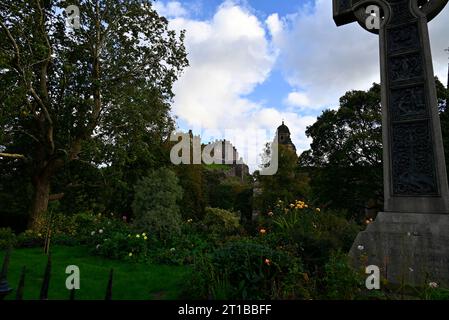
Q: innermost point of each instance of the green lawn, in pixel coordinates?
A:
(132, 281)
(217, 166)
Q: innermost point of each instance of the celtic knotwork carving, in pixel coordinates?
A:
(405, 37)
(400, 11)
(413, 159)
(405, 67)
(408, 103)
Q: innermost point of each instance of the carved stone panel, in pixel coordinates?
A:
(413, 159)
(405, 67)
(408, 103)
(400, 11)
(405, 37)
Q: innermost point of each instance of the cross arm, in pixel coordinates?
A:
(433, 7)
(348, 11)
(345, 10)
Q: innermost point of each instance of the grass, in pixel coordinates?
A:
(132, 281)
(217, 166)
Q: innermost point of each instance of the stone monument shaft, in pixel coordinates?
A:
(415, 179)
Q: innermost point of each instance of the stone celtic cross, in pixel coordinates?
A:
(415, 179)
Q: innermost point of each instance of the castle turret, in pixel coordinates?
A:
(283, 134)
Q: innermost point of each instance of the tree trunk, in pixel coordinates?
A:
(40, 201)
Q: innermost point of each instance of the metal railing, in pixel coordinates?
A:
(5, 289)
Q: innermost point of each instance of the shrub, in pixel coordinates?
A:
(117, 245)
(30, 239)
(111, 237)
(85, 223)
(7, 238)
(429, 293)
(155, 203)
(181, 249)
(340, 281)
(314, 234)
(221, 222)
(246, 269)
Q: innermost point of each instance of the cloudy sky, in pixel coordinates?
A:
(256, 62)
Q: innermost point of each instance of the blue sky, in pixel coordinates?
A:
(205, 9)
(256, 62)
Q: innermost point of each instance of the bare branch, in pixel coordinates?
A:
(12, 155)
(16, 47)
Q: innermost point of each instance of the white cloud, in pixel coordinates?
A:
(171, 9)
(297, 99)
(235, 51)
(229, 56)
(275, 25)
(324, 61)
(439, 41)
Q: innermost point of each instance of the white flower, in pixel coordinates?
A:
(100, 231)
(411, 269)
(92, 233)
(433, 285)
(360, 247)
(172, 249)
(97, 247)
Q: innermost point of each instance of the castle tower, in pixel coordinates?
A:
(283, 134)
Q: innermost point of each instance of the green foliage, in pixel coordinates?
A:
(229, 193)
(245, 269)
(7, 238)
(309, 232)
(97, 106)
(15, 193)
(106, 235)
(345, 159)
(86, 222)
(121, 246)
(340, 281)
(30, 239)
(193, 200)
(286, 185)
(221, 222)
(434, 293)
(155, 204)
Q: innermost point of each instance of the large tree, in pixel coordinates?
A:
(345, 159)
(64, 90)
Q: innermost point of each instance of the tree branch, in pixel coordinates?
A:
(12, 155)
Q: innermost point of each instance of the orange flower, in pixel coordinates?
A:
(306, 277)
(263, 231)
